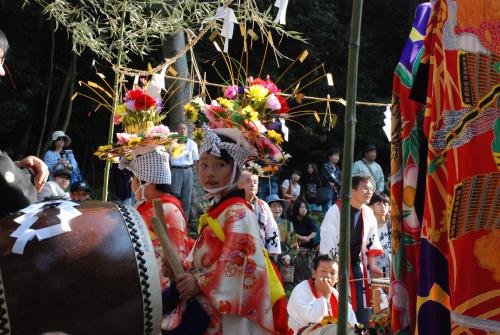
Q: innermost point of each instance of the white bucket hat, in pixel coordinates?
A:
(60, 133)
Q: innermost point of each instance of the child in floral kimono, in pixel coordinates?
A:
(228, 271)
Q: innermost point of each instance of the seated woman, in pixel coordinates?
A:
(306, 230)
(58, 158)
(316, 298)
(307, 233)
(227, 266)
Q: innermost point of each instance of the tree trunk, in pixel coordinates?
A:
(49, 91)
(71, 86)
(54, 119)
(183, 93)
(26, 146)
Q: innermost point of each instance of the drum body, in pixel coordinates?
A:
(99, 278)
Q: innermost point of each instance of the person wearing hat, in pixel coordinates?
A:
(285, 227)
(19, 181)
(56, 189)
(151, 180)
(79, 191)
(368, 167)
(229, 238)
(59, 158)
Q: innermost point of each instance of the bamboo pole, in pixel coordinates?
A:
(348, 154)
(116, 102)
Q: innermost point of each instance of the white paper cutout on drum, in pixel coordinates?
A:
(23, 234)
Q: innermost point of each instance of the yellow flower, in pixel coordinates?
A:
(187, 106)
(198, 136)
(275, 137)
(122, 109)
(225, 103)
(257, 93)
(104, 148)
(191, 114)
(249, 113)
(177, 150)
(133, 141)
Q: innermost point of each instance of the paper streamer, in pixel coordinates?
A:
(23, 234)
(227, 14)
(281, 17)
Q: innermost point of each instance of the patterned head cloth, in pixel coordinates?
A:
(150, 167)
(212, 143)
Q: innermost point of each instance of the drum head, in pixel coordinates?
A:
(99, 278)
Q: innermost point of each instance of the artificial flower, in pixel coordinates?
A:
(267, 84)
(191, 114)
(273, 102)
(275, 137)
(124, 138)
(231, 91)
(249, 113)
(257, 93)
(145, 102)
(158, 131)
(284, 109)
(134, 141)
(121, 110)
(177, 151)
(105, 147)
(117, 119)
(225, 103)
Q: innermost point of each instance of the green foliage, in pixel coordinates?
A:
(137, 27)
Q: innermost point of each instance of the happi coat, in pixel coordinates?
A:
(307, 306)
(370, 245)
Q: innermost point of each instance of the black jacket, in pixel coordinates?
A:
(17, 188)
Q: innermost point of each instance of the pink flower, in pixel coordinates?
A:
(124, 138)
(273, 103)
(158, 131)
(231, 91)
(266, 83)
(117, 119)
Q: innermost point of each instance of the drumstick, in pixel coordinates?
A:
(158, 208)
(167, 247)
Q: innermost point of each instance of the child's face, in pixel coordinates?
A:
(295, 177)
(80, 196)
(334, 159)
(62, 181)
(380, 208)
(277, 209)
(213, 171)
(2, 60)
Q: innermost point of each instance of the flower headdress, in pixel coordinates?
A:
(140, 115)
(249, 110)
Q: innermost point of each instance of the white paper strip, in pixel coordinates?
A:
(24, 233)
(281, 17)
(227, 14)
(21, 242)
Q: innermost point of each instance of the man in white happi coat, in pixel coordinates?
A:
(364, 243)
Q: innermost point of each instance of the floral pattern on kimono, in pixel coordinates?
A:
(232, 272)
(176, 227)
